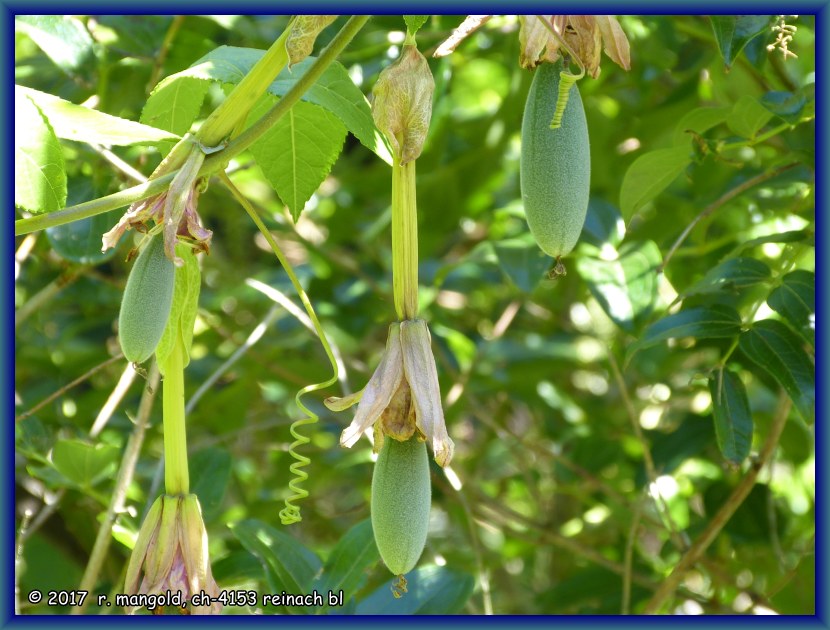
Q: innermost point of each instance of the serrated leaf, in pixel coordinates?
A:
(82, 463)
(649, 175)
(297, 153)
(348, 562)
(39, 171)
(795, 300)
(731, 274)
(733, 418)
(289, 566)
(174, 103)
(75, 122)
(625, 287)
(748, 116)
(778, 352)
(334, 90)
(210, 473)
(699, 120)
(521, 260)
(733, 32)
(179, 328)
(431, 590)
(414, 22)
(63, 38)
(701, 322)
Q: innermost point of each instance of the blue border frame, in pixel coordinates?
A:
(7, 521)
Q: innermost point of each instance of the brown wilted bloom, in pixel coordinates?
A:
(402, 103)
(171, 553)
(586, 35)
(303, 34)
(174, 209)
(402, 398)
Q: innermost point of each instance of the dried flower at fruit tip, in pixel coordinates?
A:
(402, 398)
(586, 36)
(171, 553)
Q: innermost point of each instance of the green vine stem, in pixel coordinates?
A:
(176, 474)
(291, 512)
(213, 163)
(404, 240)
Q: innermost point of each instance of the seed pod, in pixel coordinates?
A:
(555, 164)
(401, 497)
(145, 306)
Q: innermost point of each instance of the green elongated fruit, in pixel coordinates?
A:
(145, 306)
(401, 497)
(555, 164)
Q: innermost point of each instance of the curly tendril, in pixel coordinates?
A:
(291, 512)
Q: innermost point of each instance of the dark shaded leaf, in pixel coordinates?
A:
(787, 106)
(795, 300)
(431, 590)
(701, 322)
(522, 261)
(733, 418)
(210, 472)
(346, 567)
(603, 224)
(776, 350)
(733, 32)
(731, 274)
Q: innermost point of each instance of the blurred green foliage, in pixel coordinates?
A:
(551, 508)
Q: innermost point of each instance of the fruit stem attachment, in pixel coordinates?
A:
(404, 240)
(176, 475)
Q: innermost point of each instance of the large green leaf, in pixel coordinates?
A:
(795, 300)
(776, 350)
(346, 567)
(174, 104)
(297, 153)
(39, 172)
(699, 120)
(431, 590)
(210, 472)
(75, 122)
(701, 322)
(649, 175)
(733, 418)
(733, 32)
(731, 274)
(63, 38)
(625, 287)
(82, 463)
(288, 565)
(748, 116)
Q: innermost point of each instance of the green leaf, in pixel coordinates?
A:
(522, 262)
(733, 418)
(186, 288)
(731, 274)
(733, 32)
(778, 352)
(174, 104)
(795, 300)
(39, 171)
(346, 567)
(701, 322)
(297, 153)
(787, 106)
(75, 122)
(63, 38)
(748, 116)
(210, 473)
(603, 224)
(625, 287)
(431, 590)
(649, 175)
(699, 120)
(237, 567)
(82, 463)
(414, 22)
(288, 565)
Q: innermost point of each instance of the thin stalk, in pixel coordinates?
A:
(404, 240)
(176, 475)
(212, 163)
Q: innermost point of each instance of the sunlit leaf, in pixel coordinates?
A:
(63, 38)
(39, 172)
(649, 175)
(748, 116)
(82, 463)
(431, 590)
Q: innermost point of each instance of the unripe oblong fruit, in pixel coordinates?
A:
(145, 306)
(401, 497)
(555, 164)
